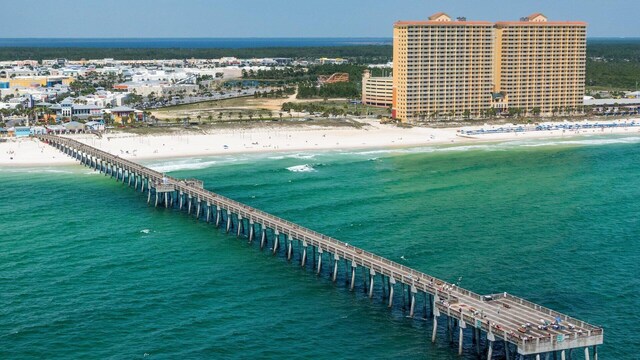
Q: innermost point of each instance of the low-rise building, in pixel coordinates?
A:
(124, 114)
(633, 95)
(332, 61)
(34, 81)
(22, 131)
(68, 109)
(95, 125)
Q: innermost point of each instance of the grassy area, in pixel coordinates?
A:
(235, 102)
(222, 110)
(265, 109)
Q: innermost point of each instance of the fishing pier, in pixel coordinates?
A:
(499, 325)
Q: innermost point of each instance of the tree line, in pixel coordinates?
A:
(356, 53)
(612, 63)
(309, 90)
(319, 108)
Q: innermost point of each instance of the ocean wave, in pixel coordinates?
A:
(36, 171)
(484, 147)
(302, 156)
(497, 146)
(292, 156)
(375, 152)
(585, 142)
(301, 168)
(184, 164)
(193, 163)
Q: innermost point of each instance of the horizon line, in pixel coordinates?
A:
(200, 38)
(247, 38)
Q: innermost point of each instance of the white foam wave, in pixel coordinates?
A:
(301, 168)
(586, 142)
(376, 152)
(145, 231)
(191, 164)
(487, 147)
(302, 156)
(499, 146)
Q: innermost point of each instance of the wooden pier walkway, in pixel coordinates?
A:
(524, 328)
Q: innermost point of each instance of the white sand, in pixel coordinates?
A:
(31, 152)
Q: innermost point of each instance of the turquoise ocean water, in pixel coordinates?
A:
(89, 270)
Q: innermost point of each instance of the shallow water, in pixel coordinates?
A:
(88, 270)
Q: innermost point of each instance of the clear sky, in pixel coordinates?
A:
(288, 18)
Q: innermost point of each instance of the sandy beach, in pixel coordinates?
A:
(31, 152)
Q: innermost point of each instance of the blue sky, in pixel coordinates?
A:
(287, 18)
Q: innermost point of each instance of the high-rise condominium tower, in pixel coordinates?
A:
(458, 68)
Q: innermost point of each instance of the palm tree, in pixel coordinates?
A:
(107, 119)
(146, 115)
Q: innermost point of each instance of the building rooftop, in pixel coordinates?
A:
(540, 23)
(611, 102)
(442, 19)
(122, 109)
(441, 23)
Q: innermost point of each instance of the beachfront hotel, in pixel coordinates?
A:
(445, 68)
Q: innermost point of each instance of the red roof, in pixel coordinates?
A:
(535, 15)
(437, 15)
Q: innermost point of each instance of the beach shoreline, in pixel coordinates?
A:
(30, 152)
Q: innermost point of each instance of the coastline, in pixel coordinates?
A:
(29, 152)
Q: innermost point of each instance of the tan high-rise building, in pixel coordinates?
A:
(444, 68)
(540, 64)
(441, 67)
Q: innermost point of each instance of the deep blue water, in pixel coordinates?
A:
(189, 43)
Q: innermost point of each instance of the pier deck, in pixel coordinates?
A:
(528, 326)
